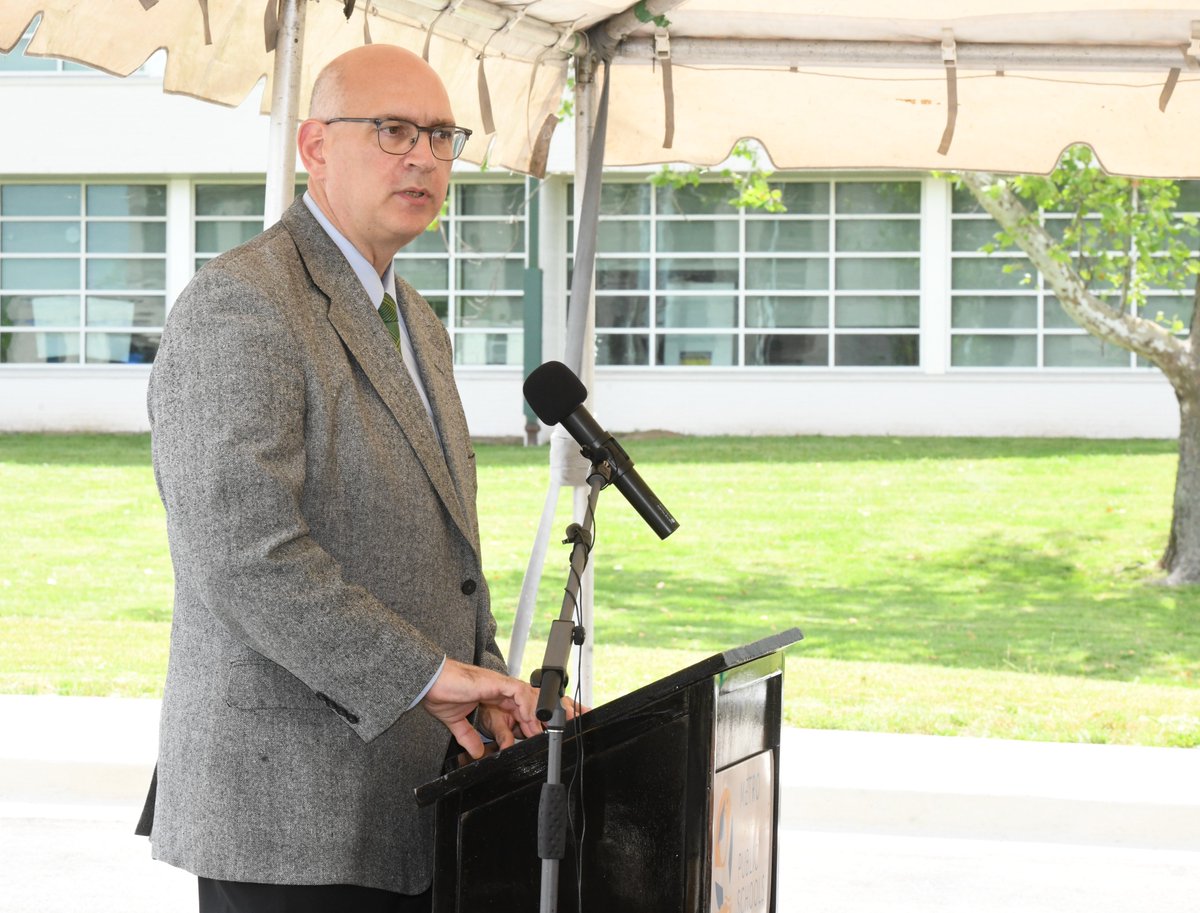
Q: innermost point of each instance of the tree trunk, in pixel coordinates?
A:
(1179, 360)
(1182, 558)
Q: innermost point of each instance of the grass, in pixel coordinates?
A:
(953, 586)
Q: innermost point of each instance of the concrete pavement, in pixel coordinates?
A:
(922, 824)
(869, 822)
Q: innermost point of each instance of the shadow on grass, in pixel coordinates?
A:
(75, 449)
(1008, 607)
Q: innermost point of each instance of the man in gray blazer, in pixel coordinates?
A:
(331, 617)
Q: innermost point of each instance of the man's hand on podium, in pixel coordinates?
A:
(505, 705)
(505, 733)
(573, 708)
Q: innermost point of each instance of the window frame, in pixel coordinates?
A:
(82, 328)
(1038, 293)
(654, 292)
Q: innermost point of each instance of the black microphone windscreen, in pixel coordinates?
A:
(554, 392)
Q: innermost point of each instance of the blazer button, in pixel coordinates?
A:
(337, 708)
(468, 587)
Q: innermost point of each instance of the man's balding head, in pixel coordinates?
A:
(379, 201)
(336, 83)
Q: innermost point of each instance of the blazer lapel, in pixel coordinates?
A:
(437, 375)
(364, 335)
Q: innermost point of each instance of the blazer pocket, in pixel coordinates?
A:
(260, 685)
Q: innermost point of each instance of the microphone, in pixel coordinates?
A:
(556, 395)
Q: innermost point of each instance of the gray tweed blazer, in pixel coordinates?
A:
(326, 555)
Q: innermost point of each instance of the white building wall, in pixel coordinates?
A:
(737, 402)
(89, 125)
(984, 405)
(83, 399)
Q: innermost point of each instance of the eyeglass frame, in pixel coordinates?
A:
(378, 122)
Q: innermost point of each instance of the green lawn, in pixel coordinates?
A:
(957, 586)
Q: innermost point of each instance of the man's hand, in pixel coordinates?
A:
(505, 703)
(573, 709)
(502, 727)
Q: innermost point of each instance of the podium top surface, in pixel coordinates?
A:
(531, 752)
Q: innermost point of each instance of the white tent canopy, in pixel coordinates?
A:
(820, 84)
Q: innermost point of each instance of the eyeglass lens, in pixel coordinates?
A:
(399, 137)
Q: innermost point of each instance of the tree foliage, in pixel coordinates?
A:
(1123, 236)
(1119, 238)
(750, 180)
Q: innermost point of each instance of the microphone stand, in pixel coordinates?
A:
(551, 679)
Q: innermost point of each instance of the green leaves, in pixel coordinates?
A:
(753, 190)
(1121, 235)
(751, 185)
(644, 15)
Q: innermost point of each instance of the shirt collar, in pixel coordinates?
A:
(372, 282)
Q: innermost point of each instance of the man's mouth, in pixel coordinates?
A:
(415, 194)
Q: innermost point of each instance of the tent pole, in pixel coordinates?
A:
(568, 468)
(285, 107)
(533, 576)
(581, 347)
(579, 355)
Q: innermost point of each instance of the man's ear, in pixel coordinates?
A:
(311, 145)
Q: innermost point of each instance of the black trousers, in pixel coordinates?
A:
(250, 897)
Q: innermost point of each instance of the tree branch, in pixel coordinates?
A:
(1193, 350)
(1130, 252)
(1145, 337)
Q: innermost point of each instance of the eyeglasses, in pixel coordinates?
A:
(399, 137)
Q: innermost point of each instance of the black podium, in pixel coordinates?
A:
(680, 801)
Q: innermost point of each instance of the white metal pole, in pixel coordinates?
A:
(585, 125)
(285, 108)
(567, 467)
(533, 576)
(585, 122)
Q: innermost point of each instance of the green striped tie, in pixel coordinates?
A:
(391, 320)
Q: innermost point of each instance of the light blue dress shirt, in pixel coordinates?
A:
(374, 284)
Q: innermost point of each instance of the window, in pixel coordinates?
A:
(226, 215)
(683, 278)
(1002, 314)
(470, 267)
(82, 273)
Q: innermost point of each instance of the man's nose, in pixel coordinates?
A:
(421, 155)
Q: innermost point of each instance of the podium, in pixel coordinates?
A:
(675, 788)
